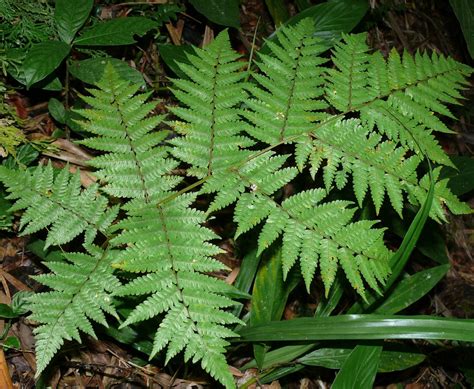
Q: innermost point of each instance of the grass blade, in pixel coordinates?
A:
(355, 327)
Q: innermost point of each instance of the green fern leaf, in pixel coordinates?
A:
(135, 159)
(300, 219)
(81, 292)
(381, 166)
(210, 126)
(57, 203)
(348, 82)
(169, 246)
(286, 97)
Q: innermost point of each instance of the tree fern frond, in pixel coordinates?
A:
(170, 246)
(285, 100)
(397, 97)
(301, 219)
(57, 202)
(81, 290)
(347, 83)
(379, 167)
(135, 160)
(210, 124)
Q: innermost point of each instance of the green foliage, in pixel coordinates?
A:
(224, 12)
(24, 22)
(365, 118)
(464, 11)
(40, 52)
(212, 96)
(57, 203)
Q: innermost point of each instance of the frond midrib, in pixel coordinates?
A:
(146, 194)
(292, 91)
(213, 116)
(176, 272)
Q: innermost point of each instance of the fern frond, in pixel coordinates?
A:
(397, 97)
(312, 231)
(81, 290)
(168, 245)
(210, 125)
(286, 97)
(347, 84)
(379, 166)
(56, 202)
(135, 159)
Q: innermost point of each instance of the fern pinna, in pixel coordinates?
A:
(363, 121)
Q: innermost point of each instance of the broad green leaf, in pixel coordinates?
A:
(269, 295)
(411, 289)
(91, 70)
(223, 12)
(11, 342)
(464, 10)
(57, 110)
(173, 55)
(461, 181)
(331, 19)
(359, 369)
(278, 11)
(7, 312)
(43, 59)
(334, 358)
(70, 16)
(369, 327)
(115, 32)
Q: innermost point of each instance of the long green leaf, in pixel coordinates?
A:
(390, 360)
(411, 289)
(357, 327)
(287, 354)
(269, 295)
(244, 280)
(464, 10)
(359, 369)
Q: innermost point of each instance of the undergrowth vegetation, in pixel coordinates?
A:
(306, 150)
